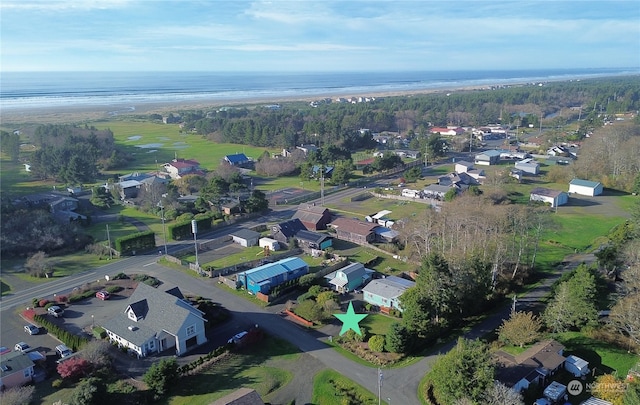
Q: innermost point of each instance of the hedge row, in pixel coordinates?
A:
(184, 370)
(138, 241)
(74, 342)
(182, 230)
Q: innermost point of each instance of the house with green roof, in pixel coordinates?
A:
(155, 320)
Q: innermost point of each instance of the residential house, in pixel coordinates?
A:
(284, 231)
(576, 366)
(241, 396)
(463, 166)
(129, 188)
(528, 166)
(437, 191)
(516, 174)
(386, 292)
(313, 217)
(238, 159)
(154, 321)
(16, 369)
(585, 187)
(307, 148)
(461, 181)
(313, 240)
(349, 277)
(263, 278)
(449, 131)
(63, 204)
(549, 196)
(534, 365)
(488, 158)
(354, 230)
(178, 168)
(245, 237)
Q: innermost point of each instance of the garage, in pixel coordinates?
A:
(245, 237)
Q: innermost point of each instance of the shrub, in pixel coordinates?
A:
(112, 289)
(120, 276)
(49, 305)
(99, 332)
(35, 302)
(74, 368)
(376, 343)
(43, 302)
(149, 280)
(57, 383)
(29, 314)
(18, 395)
(162, 375)
(61, 299)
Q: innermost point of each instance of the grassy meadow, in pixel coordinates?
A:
(332, 388)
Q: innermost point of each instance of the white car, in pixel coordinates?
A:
(31, 329)
(55, 311)
(238, 337)
(22, 347)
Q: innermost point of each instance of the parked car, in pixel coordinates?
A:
(103, 295)
(22, 347)
(55, 311)
(238, 337)
(4, 350)
(31, 329)
(63, 351)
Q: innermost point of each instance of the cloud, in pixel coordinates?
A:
(64, 5)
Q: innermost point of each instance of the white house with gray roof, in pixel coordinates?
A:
(155, 320)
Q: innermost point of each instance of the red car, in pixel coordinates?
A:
(103, 295)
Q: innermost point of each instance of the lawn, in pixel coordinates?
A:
(14, 180)
(154, 143)
(244, 255)
(378, 324)
(250, 369)
(332, 388)
(579, 231)
(384, 264)
(399, 209)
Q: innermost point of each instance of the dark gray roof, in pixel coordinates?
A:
(291, 227)
(547, 192)
(247, 234)
(160, 310)
(311, 236)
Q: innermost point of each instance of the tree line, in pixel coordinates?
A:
(338, 123)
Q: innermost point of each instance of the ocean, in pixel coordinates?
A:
(22, 91)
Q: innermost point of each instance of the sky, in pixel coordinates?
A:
(316, 35)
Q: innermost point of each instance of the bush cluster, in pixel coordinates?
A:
(82, 295)
(149, 280)
(112, 289)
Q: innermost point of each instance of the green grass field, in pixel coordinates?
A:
(162, 142)
(378, 324)
(332, 388)
(251, 368)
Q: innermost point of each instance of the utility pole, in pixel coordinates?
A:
(322, 189)
(164, 229)
(109, 241)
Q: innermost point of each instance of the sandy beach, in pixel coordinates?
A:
(79, 113)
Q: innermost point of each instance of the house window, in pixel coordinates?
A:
(384, 300)
(27, 372)
(191, 330)
(152, 345)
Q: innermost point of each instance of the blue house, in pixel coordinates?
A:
(386, 292)
(349, 277)
(239, 159)
(263, 278)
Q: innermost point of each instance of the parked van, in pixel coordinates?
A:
(63, 351)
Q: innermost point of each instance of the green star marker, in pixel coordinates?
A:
(350, 320)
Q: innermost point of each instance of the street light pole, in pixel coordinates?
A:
(194, 229)
(164, 229)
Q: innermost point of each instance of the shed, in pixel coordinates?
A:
(272, 244)
(547, 195)
(585, 187)
(245, 237)
(576, 366)
(490, 157)
(528, 166)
